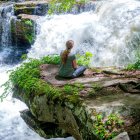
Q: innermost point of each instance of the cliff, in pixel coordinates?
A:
(102, 102)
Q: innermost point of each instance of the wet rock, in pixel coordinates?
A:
(122, 136)
(23, 30)
(31, 7)
(46, 130)
(103, 94)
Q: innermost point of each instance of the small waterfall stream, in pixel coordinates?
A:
(111, 32)
(12, 127)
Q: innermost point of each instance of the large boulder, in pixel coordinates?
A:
(101, 93)
(23, 29)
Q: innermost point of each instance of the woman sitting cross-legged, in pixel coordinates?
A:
(68, 66)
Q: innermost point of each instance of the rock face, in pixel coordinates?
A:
(31, 8)
(23, 30)
(23, 26)
(103, 91)
(23, 21)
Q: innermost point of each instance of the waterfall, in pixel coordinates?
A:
(111, 32)
(12, 127)
(6, 12)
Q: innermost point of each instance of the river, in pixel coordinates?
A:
(111, 32)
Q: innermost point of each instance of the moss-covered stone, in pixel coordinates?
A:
(78, 118)
(31, 8)
(23, 30)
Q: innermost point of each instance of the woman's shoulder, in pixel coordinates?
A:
(72, 55)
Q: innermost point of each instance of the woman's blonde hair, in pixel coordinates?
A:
(64, 56)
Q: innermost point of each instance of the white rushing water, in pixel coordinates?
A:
(111, 33)
(12, 127)
(6, 12)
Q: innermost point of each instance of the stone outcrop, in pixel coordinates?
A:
(23, 26)
(122, 136)
(23, 29)
(103, 91)
(31, 8)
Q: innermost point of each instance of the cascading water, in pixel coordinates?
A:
(110, 33)
(12, 127)
(6, 12)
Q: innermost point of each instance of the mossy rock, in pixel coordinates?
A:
(23, 31)
(31, 7)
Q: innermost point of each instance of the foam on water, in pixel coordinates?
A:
(110, 33)
(12, 127)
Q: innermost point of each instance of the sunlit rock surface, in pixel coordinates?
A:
(105, 90)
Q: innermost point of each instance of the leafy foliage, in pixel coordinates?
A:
(84, 59)
(29, 22)
(136, 65)
(27, 78)
(73, 89)
(109, 127)
(63, 5)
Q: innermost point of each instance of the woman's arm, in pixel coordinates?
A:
(74, 64)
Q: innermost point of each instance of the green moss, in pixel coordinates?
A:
(96, 87)
(29, 22)
(27, 79)
(72, 89)
(63, 5)
(24, 10)
(23, 31)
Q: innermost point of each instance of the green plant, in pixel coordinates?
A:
(7, 89)
(136, 65)
(84, 59)
(63, 5)
(96, 86)
(72, 89)
(29, 37)
(27, 79)
(24, 57)
(107, 127)
(51, 59)
(29, 22)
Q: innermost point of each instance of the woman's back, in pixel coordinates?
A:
(66, 70)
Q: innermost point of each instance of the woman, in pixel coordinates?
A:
(68, 66)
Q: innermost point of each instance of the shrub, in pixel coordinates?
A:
(27, 78)
(62, 6)
(136, 65)
(109, 127)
